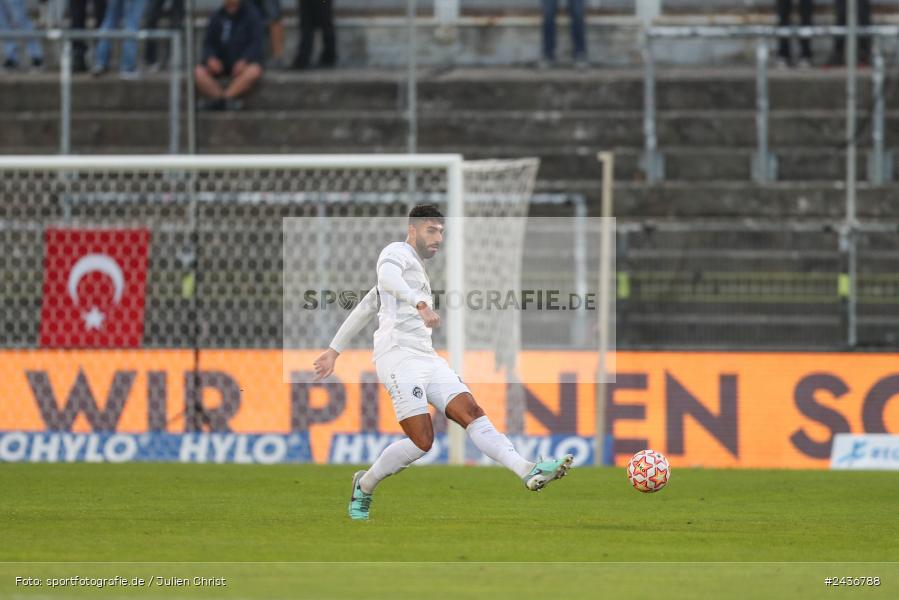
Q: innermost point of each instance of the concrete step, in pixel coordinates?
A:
(531, 129)
(461, 89)
(739, 200)
(705, 164)
(685, 164)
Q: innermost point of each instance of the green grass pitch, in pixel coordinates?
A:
(446, 532)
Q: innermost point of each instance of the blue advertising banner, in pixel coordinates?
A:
(22, 446)
(364, 448)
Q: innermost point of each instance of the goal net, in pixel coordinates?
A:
(149, 308)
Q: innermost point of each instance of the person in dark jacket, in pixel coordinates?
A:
(232, 48)
(315, 15)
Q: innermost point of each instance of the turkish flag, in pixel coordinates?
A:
(94, 283)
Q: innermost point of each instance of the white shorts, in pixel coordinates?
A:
(413, 381)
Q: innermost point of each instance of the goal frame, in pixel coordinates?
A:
(451, 163)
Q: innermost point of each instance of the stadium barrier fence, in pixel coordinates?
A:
(67, 36)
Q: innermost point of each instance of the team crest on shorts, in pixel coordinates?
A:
(417, 392)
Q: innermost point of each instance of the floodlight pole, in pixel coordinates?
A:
(849, 238)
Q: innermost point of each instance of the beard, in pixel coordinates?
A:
(423, 250)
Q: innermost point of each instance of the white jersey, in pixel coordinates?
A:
(399, 323)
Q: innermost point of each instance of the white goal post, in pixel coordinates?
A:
(606, 316)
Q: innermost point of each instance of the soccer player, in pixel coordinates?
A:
(413, 373)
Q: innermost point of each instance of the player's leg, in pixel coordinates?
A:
(403, 376)
(449, 394)
(401, 453)
(395, 457)
(463, 409)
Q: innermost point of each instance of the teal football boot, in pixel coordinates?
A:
(360, 502)
(545, 471)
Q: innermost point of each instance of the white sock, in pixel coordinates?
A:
(497, 446)
(395, 457)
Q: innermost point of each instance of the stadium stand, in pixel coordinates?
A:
(706, 127)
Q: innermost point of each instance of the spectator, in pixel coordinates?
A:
(154, 12)
(129, 13)
(578, 32)
(78, 13)
(232, 48)
(271, 13)
(14, 16)
(316, 14)
(785, 17)
(838, 57)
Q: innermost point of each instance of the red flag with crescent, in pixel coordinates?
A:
(94, 284)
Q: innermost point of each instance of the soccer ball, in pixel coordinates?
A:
(648, 471)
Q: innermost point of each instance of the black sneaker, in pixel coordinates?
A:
(10, 65)
(216, 104)
(37, 64)
(233, 104)
(79, 65)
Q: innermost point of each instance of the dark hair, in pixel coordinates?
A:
(425, 212)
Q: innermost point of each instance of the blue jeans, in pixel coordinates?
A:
(130, 12)
(578, 33)
(13, 16)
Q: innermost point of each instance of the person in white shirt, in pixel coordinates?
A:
(413, 373)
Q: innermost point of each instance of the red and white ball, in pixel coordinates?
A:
(648, 471)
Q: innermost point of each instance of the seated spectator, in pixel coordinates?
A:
(578, 32)
(78, 13)
(785, 18)
(154, 13)
(316, 15)
(128, 13)
(838, 57)
(14, 17)
(271, 14)
(232, 48)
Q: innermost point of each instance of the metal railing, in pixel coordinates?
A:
(67, 36)
(764, 162)
(779, 284)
